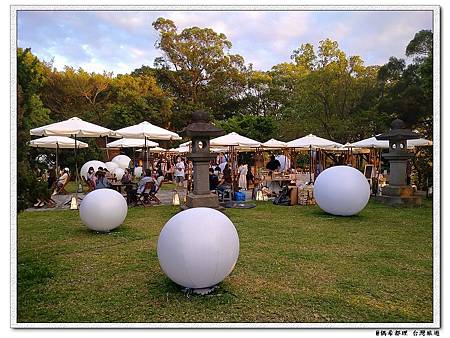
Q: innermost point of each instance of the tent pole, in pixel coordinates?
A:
(56, 168)
(310, 163)
(146, 152)
(107, 151)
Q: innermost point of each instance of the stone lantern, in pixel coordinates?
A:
(398, 192)
(201, 131)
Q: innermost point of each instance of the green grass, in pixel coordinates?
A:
(296, 264)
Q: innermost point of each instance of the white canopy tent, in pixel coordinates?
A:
(131, 143)
(147, 131)
(74, 127)
(57, 142)
(179, 150)
(274, 144)
(313, 142)
(234, 140)
(372, 142)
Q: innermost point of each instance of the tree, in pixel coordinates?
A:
(325, 93)
(134, 99)
(197, 64)
(407, 91)
(30, 113)
(260, 128)
(73, 92)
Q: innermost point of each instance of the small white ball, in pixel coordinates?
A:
(123, 161)
(93, 163)
(119, 172)
(341, 190)
(138, 171)
(103, 210)
(111, 166)
(198, 247)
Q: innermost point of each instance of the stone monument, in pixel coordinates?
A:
(201, 131)
(397, 192)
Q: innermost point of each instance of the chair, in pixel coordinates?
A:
(61, 190)
(152, 195)
(224, 195)
(144, 197)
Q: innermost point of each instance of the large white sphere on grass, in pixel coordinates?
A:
(119, 172)
(103, 210)
(123, 161)
(341, 190)
(198, 247)
(94, 163)
(111, 166)
(138, 171)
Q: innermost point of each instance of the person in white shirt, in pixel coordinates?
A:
(147, 178)
(179, 172)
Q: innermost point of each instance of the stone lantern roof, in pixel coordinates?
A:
(201, 127)
(398, 132)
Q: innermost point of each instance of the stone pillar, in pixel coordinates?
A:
(200, 131)
(398, 193)
(397, 174)
(201, 172)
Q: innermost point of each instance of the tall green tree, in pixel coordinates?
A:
(327, 93)
(407, 90)
(201, 71)
(31, 113)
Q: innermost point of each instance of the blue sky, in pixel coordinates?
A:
(121, 41)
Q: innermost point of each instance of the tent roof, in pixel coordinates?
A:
(147, 130)
(131, 143)
(312, 141)
(234, 139)
(372, 142)
(72, 127)
(62, 142)
(274, 144)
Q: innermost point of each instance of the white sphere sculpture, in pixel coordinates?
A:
(119, 172)
(111, 166)
(123, 161)
(103, 210)
(198, 247)
(341, 190)
(94, 163)
(138, 171)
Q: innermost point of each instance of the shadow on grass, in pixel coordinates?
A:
(318, 213)
(164, 286)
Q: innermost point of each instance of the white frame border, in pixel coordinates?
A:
(436, 167)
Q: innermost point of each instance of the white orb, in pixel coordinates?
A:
(138, 171)
(111, 166)
(341, 190)
(198, 247)
(119, 172)
(103, 210)
(94, 163)
(123, 161)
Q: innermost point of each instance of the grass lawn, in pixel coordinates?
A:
(296, 264)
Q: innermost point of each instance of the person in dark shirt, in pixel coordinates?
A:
(273, 164)
(213, 180)
(225, 182)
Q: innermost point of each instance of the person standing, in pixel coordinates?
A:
(242, 170)
(179, 172)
